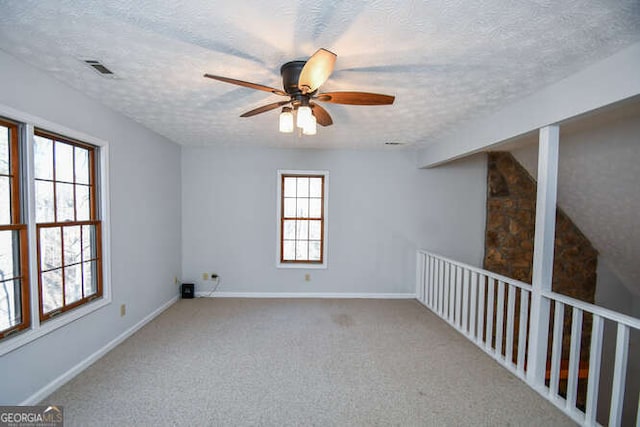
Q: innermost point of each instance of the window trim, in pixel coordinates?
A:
(279, 218)
(37, 329)
(94, 219)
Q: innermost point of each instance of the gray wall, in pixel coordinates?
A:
(145, 226)
(381, 209)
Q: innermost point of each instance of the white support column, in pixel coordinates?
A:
(543, 253)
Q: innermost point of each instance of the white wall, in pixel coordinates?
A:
(598, 181)
(145, 225)
(381, 209)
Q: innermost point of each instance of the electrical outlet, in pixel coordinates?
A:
(123, 310)
(175, 280)
(307, 277)
(205, 276)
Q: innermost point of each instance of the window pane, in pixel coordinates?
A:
(51, 290)
(289, 230)
(314, 251)
(303, 187)
(5, 200)
(315, 230)
(4, 150)
(289, 250)
(64, 202)
(302, 208)
(82, 165)
(302, 230)
(315, 187)
(88, 242)
(88, 274)
(50, 248)
(73, 283)
(83, 209)
(43, 158)
(290, 187)
(315, 208)
(10, 305)
(289, 207)
(44, 201)
(301, 250)
(8, 254)
(64, 162)
(72, 245)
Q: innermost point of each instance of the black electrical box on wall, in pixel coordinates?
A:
(187, 290)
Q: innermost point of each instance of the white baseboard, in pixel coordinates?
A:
(71, 373)
(346, 295)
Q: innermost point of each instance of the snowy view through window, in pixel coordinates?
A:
(67, 245)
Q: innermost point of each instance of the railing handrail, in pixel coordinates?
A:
(515, 282)
(594, 309)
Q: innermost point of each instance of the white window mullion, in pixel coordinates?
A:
(30, 219)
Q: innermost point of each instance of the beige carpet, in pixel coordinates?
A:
(299, 362)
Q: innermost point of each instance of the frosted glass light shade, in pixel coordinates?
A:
(286, 121)
(310, 127)
(304, 116)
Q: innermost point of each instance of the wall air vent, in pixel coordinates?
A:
(98, 67)
(394, 143)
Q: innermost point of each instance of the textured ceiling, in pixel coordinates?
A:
(445, 61)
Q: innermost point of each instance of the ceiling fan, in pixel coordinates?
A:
(301, 81)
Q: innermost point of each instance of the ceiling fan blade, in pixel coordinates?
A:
(322, 116)
(355, 98)
(247, 84)
(316, 71)
(265, 108)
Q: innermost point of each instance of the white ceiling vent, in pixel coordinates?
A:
(98, 67)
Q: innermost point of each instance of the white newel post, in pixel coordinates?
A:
(543, 253)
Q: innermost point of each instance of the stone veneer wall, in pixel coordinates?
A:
(511, 205)
(511, 212)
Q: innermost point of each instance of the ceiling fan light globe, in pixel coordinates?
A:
(304, 116)
(311, 127)
(286, 122)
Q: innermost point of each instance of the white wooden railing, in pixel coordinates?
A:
(493, 312)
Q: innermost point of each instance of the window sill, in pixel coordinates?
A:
(302, 266)
(25, 337)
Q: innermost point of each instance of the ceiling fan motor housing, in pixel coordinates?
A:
(290, 73)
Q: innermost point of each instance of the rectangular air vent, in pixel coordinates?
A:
(99, 67)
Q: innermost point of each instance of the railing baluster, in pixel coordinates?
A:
(452, 293)
(595, 357)
(556, 348)
(619, 377)
(465, 301)
(458, 307)
(511, 307)
(419, 275)
(499, 317)
(446, 290)
(425, 272)
(473, 304)
(441, 287)
(481, 316)
(432, 288)
(490, 290)
(574, 358)
(522, 330)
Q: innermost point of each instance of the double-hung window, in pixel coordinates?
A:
(14, 267)
(68, 227)
(302, 204)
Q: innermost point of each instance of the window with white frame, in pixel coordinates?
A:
(51, 247)
(302, 225)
